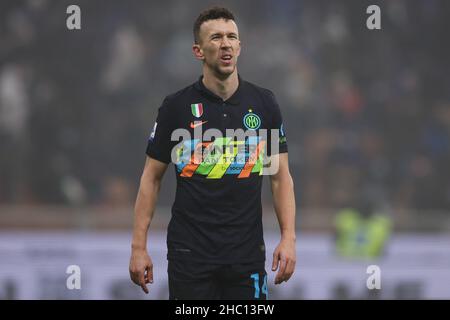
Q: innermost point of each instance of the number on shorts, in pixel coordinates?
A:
(255, 277)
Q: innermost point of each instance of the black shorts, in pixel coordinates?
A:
(190, 280)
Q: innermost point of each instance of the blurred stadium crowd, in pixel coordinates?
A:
(367, 113)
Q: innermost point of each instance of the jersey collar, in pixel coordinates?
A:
(234, 99)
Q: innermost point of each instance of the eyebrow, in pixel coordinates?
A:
(232, 33)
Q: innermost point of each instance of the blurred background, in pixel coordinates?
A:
(366, 113)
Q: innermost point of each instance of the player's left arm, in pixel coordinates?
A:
(284, 256)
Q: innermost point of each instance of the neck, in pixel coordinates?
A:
(222, 87)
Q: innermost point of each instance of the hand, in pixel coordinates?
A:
(284, 260)
(141, 268)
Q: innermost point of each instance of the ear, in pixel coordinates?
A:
(239, 48)
(198, 52)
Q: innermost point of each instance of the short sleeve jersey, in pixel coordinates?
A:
(219, 150)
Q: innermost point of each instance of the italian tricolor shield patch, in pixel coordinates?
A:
(197, 109)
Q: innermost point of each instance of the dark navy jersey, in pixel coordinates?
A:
(217, 212)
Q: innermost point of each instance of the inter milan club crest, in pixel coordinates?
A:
(251, 120)
(197, 109)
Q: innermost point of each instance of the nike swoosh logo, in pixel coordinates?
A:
(197, 123)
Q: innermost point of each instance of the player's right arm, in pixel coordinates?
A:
(141, 265)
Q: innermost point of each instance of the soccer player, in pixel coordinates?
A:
(215, 236)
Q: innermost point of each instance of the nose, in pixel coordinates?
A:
(225, 42)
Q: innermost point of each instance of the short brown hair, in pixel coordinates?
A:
(211, 14)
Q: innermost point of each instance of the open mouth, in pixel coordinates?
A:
(226, 58)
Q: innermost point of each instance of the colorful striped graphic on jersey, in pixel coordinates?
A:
(197, 109)
(252, 161)
(184, 152)
(221, 157)
(194, 163)
(225, 161)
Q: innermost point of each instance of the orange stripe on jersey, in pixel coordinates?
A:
(245, 173)
(194, 162)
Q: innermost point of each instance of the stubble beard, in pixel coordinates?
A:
(222, 73)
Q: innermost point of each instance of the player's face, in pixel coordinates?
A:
(219, 46)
